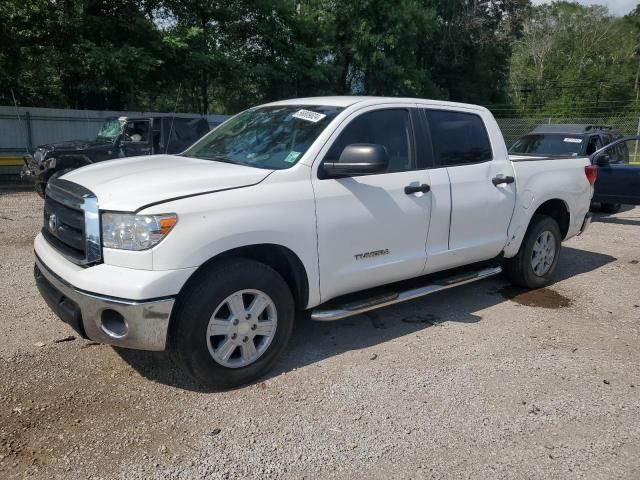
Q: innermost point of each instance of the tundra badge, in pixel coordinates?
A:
(376, 253)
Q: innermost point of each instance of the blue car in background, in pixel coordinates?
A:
(618, 180)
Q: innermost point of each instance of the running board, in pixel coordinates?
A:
(350, 309)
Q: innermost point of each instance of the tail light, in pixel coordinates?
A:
(591, 171)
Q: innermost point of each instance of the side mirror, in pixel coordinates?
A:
(603, 159)
(358, 159)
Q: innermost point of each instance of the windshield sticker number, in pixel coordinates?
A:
(573, 140)
(309, 116)
(292, 157)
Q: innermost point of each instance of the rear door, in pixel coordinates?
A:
(619, 173)
(482, 185)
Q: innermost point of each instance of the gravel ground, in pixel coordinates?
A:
(482, 381)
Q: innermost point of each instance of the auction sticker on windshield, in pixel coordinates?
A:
(292, 157)
(309, 116)
(573, 140)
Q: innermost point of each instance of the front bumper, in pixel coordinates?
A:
(31, 170)
(28, 173)
(139, 324)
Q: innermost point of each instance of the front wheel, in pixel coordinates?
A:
(233, 323)
(537, 259)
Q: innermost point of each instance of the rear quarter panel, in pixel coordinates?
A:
(540, 180)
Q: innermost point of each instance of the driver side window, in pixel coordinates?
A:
(389, 128)
(137, 130)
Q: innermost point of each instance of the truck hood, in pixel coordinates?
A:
(71, 146)
(132, 183)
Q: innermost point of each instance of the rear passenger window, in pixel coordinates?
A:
(458, 138)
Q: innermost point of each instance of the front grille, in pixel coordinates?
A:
(71, 221)
(64, 228)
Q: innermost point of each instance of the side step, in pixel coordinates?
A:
(350, 309)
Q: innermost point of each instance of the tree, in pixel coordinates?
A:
(214, 55)
(575, 59)
(77, 53)
(26, 70)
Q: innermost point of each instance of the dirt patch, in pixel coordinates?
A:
(384, 397)
(17, 242)
(542, 297)
(99, 408)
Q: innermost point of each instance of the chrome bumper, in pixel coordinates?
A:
(125, 323)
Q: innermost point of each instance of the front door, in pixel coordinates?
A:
(482, 187)
(370, 231)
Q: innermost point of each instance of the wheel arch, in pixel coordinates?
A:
(559, 211)
(282, 259)
(556, 208)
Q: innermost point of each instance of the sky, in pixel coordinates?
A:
(616, 7)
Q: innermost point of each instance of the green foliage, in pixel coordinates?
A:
(215, 55)
(576, 60)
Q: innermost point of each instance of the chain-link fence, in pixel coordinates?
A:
(513, 128)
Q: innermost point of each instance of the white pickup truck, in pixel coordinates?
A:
(337, 205)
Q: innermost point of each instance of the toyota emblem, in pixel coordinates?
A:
(53, 222)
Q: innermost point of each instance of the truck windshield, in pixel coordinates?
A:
(110, 129)
(266, 137)
(556, 144)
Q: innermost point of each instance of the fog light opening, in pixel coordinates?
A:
(113, 324)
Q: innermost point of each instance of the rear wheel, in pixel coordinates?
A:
(610, 207)
(232, 325)
(537, 259)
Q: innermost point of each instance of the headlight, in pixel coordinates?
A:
(127, 231)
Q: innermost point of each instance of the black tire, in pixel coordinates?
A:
(518, 269)
(189, 342)
(610, 207)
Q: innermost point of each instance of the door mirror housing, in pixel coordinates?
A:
(603, 159)
(358, 159)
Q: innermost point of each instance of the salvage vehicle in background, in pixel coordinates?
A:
(337, 205)
(615, 182)
(117, 138)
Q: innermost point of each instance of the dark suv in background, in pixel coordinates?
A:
(578, 140)
(117, 138)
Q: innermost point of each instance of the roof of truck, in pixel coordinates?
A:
(348, 100)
